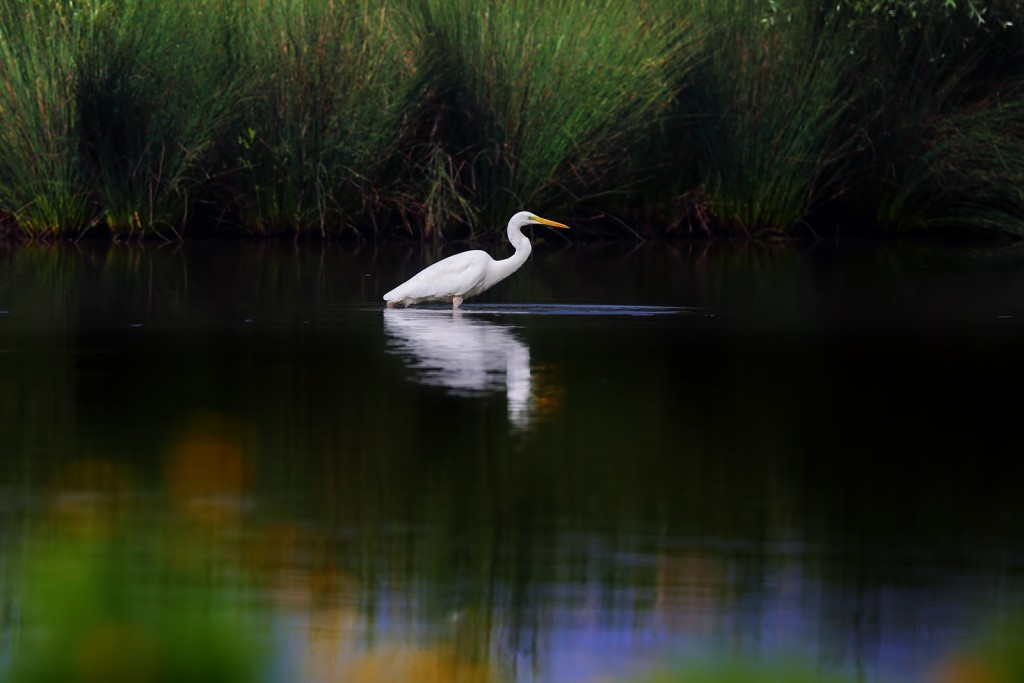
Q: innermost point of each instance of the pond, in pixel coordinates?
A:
(618, 460)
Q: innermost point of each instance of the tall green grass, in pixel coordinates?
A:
(152, 95)
(945, 117)
(41, 183)
(768, 113)
(538, 103)
(963, 170)
(321, 116)
(440, 118)
(106, 111)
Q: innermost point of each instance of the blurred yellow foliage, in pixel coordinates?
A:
(208, 472)
(969, 669)
(421, 665)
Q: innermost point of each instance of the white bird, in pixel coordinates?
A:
(467, 274)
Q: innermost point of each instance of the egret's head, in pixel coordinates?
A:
(526, 218)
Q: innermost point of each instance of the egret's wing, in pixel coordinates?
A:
(454, 276)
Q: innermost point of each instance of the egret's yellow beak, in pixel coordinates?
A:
(545, 221)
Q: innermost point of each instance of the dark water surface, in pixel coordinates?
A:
(614, 460)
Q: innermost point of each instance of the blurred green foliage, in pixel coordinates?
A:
(102, 612)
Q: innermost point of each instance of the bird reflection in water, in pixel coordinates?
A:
(466, 355)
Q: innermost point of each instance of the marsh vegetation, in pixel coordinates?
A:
(438, 119)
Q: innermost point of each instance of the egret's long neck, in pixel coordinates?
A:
(505, 267)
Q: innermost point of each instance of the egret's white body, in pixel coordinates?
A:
(467, 274)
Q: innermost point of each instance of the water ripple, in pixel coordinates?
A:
(567, 309)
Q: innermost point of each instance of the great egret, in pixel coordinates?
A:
(467, 274)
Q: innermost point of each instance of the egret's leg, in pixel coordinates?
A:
(456, 302)
(391, 304)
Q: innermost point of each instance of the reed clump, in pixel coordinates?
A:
(536, 103)
(429, 118)
(152, 96)
(768, 112)
(944, 116)
(41, 185)
(325, 96)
